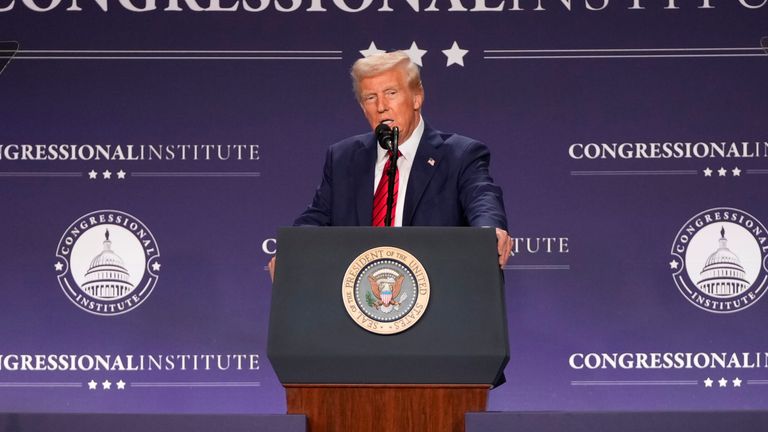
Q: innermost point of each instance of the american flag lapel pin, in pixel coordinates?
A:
(431, 162)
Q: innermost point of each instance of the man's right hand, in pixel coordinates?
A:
(271, 266)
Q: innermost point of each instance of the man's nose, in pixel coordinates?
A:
(382, 106)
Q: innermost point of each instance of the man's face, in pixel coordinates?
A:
(386, 97)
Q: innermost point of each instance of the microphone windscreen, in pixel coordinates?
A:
(384, 135)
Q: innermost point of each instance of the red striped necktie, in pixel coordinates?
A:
(380, 197)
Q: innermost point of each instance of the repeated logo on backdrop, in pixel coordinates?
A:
(107, 262)
(719, 260)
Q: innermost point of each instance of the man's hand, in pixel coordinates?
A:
(271, 266)
(504, 244)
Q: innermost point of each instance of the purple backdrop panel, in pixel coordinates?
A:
(149, 150)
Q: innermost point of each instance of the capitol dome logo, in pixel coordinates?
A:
(107, 262)
(719, 260)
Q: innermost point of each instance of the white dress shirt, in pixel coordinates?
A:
(404, 163)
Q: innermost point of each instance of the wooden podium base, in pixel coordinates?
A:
(385, 408)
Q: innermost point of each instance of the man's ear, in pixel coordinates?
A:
(418, 100)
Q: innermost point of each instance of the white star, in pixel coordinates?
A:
(371, 50)
(737, 382)
(673, 264)
(723, 382)
(156, 266)
(736, 172)
(707, 172)
(106, 385)
(92, 174)
(708, 382)
(107, 174)
(455, 55)
(121, 175)
(415, 53)
(721, 172)
(92, 385)
(121, 385)
(59, 266)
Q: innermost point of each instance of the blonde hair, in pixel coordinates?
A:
(377, 63)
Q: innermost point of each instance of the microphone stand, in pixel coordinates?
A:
(391, 177)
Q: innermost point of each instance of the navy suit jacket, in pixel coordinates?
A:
(449, 184)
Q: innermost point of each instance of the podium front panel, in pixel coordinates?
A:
(460, 338)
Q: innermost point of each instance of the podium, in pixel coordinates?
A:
(331, 296)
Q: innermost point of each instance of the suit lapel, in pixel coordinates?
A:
(425, 165)
(364, 161)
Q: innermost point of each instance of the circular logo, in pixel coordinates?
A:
(385, 290)
(719, 260)
(107, 262)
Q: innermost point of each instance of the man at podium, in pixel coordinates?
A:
(441, 179)
(442, 367)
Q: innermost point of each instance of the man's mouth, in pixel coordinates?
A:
(387, 122)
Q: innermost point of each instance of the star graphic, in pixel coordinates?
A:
(59, 266)
(708, 382)
(737, 382)
(673, 264)
(723, 382)
(371, 50)
(92, 385)
(736, 172)
(156, 266)
(121, 175)
(121, 385)
(107, 174)
(455, 55)
(721, 172)
(92, 174)
(106, 385)
(415, 53)
(707, 172)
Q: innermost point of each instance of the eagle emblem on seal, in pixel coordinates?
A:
(385, 287)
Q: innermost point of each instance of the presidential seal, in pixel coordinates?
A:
(720, 260)
(385, 290)
(107, 262)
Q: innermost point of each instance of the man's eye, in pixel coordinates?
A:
(391, 93)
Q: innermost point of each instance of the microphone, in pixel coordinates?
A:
(385, 136)
(388, 140)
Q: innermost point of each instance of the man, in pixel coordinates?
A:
(442, 179)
